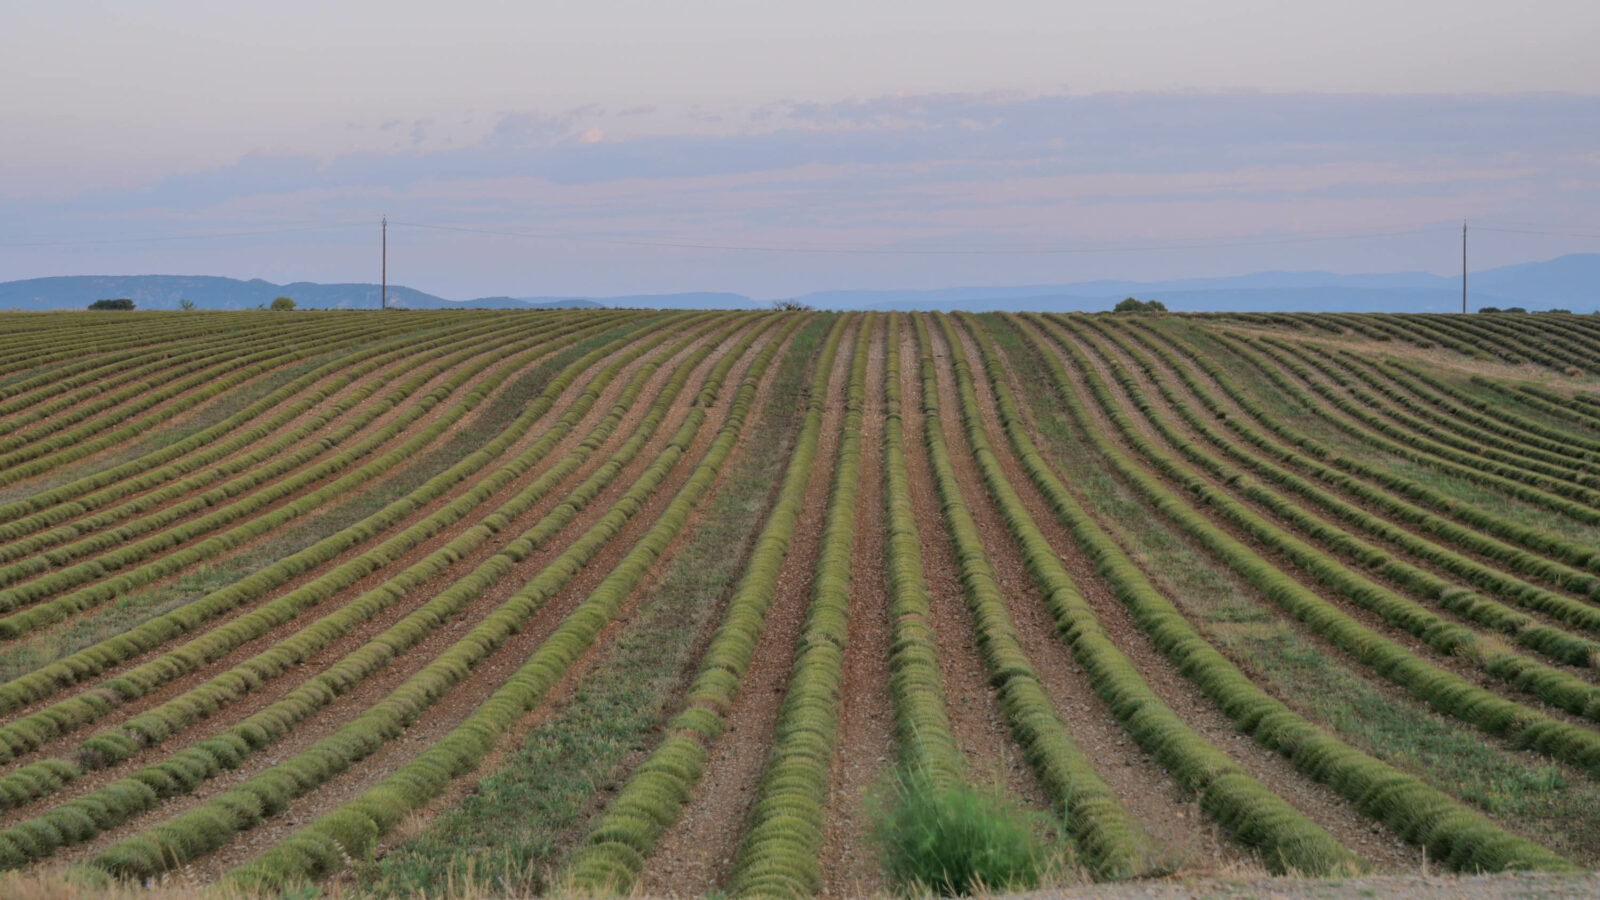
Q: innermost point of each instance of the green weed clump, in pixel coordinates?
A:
(957, 839)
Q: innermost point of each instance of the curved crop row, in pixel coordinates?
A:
(1496, 415)
(1577, 409)
(1538, 540)
(1521, 592)
(1427, 411)
(34, 351)
(69, 337)
(1454, 834)
(66, 401)
(1431, 454)
(1445, 691)
(39, 522)
(613, 853)
(161, 723)
(53, 677)
(212, 824)
(1552, 685)
(1513, 462)
(1514, 338)
(1108, 842)
(206, 449)
(351, 830)
(168, 401)
(185, 538)
(182, 772)
(1491, 417)
(244, 497)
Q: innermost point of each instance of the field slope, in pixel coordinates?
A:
(609, 601)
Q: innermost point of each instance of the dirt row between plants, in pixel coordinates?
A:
(1548, 519)
(992, 754)
(1461, 667)
(1183, 838)
(1371, 620)
(562, 695)
(160, 414)
(379, 684)
(865, 742)
(1319, 803)
(249, 649)
(216, 360)
(697, 852)
(1416, 886)
(487, 677)
(1234, 410)
(171, 431)
(375, 484)
(393, 371)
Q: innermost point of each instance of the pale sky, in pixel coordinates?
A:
(1157, 139)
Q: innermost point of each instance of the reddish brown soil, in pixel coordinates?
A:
(465, 696)
(975, 716)
(293, 583)
(1183, 839)
(864, 744)
(1458, 665)
(395, 672)
(561, 697)
(695, 855)
(1384, 851)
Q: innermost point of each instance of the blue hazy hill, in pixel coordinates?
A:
(1569, 282)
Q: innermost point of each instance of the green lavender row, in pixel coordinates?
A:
(186, 537)
(1454, 834)
(351, 830)
(613, 853)
(1445, 691)
(182, 772)
(29, 782)
(1108, 841)
(55, 676)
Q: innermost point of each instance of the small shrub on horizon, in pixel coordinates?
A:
(1135, 305)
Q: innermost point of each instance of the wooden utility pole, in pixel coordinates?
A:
(383, 297)
(1463, 266)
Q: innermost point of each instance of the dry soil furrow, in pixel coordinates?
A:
(865, 743)
(1324, 807)
(358, 636)
(487, 677)
(976, 718)
(1185, 840)
(696, 853)
(1465, 668)
(370, 581)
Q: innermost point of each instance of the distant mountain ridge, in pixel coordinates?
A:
(1567, 282)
